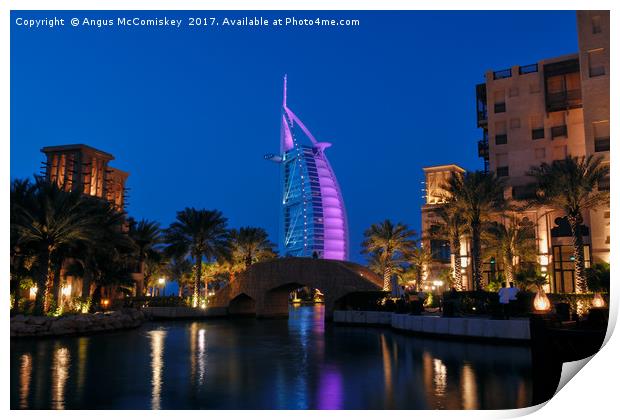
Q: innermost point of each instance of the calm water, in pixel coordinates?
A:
(247, 364)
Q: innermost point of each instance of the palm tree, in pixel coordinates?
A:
(389, 242)
(513, 238)
(179, 269)
(49, 220)
(571, 187)
(419, 258)
(146, 235)
(451, 227)
(475, 195)
(198, 234)
(251, 244)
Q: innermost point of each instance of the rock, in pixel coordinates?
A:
(30, 326)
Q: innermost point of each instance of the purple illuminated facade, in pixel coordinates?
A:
(313, 214)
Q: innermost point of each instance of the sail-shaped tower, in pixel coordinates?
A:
(314, 221)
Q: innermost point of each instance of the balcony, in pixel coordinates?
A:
(562, 85)
(559, 131)
(566, 99)
(481, 105)
(524, 192)
(483, 149)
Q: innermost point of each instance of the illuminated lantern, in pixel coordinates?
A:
(541, 302)
(598, 301)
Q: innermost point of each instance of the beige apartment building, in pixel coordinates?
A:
(530, 114)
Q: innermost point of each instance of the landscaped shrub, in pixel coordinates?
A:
(156, 301)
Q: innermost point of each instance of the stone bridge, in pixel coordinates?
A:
(264, 288)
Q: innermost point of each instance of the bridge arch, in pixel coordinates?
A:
(242, 304)
(264, 287)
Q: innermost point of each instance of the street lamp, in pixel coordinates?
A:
(162, 282)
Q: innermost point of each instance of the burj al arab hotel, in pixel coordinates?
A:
(314, 220)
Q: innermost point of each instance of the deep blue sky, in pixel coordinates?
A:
(190, 112)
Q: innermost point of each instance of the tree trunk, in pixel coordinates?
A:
(86, 281)
(180, 290)
(476, 257)
(15, 292)
(456, 252)
(508, 268)
(197, 278)
(55, 301)
(140, 281)
(43, 272)
(580, 265)
(387, 277)
(248, 261)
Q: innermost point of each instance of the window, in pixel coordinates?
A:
(500, 133)
(596, 62)
(515, 123)
(558, 125)
(502, 171)
(514, 91)
(560, 152)
(596, 25)
(538, 133)
(501, 161)
(500, 101)
(540, 153)
(537, 127)
(603, 185)
(601, 136)
(559, 131)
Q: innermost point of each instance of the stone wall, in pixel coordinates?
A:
(41, 326)
(517, 329)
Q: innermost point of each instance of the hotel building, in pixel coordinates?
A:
(81, 167)
(314, 222)
(530, 114)
(78, 166)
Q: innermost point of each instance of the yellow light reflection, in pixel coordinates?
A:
(82, 351)
(387, 371)
(25, 376)
(157, 367)
(60, 373)
(440, 377)
(202, 340)
(469, 388)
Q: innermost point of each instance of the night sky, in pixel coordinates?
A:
(191, 112)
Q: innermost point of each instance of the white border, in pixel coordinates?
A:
(592, 395)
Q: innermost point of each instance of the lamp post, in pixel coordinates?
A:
(162, 283)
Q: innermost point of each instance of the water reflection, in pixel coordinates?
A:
(387, 371)
(266, 364)
(157, 366)
(330, 390)
(25, 375)
(60, 373)
(470, 390)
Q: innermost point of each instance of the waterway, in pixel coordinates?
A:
(299, 363)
